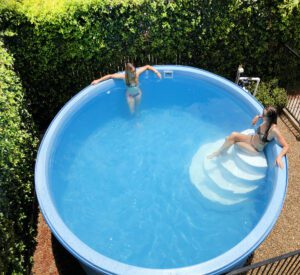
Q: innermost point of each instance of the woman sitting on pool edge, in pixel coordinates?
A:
(131, 77)
(267, 131)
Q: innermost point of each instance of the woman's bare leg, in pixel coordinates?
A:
(138, 100)
(130, 101)
(230, 140)
(247, 146)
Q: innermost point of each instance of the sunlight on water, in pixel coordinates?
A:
(125, 189)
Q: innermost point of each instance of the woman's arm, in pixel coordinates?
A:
(147, 67)
(108, 76)
(255, 119)
(285, 147)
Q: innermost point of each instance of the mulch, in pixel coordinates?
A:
(51, 258)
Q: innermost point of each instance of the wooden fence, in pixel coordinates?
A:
(292, 110)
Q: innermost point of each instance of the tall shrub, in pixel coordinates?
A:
(17, 152)
(59, 51)
(269, 94)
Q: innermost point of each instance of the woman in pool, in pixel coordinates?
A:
(267, 131)
(131, 77)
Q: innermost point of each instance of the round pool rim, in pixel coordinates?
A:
(98, 262)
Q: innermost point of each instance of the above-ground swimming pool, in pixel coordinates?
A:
(135, 194)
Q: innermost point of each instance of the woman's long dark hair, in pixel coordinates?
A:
(129, 75)
(271, 114)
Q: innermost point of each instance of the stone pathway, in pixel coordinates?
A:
(51, 258)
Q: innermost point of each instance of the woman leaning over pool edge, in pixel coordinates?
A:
(131, 77)
(256, 142)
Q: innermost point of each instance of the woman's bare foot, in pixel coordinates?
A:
(214, 155)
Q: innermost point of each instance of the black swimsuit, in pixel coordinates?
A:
(263, 143)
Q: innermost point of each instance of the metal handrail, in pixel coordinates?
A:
(288, 264)
(245, 79)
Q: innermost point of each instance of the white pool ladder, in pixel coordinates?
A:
(245, 79)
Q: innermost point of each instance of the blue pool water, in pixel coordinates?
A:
(121, 183)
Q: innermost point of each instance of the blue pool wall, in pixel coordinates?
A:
(95, 262)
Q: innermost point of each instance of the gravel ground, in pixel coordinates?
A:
(51, 258)
(285, 236)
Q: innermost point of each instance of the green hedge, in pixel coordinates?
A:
(60, 46)
(60, 50)
(17, 152)
(270, 94)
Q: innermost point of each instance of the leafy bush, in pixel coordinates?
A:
(60, 48)
(61, 45)
(17, 152)
(270, 94)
